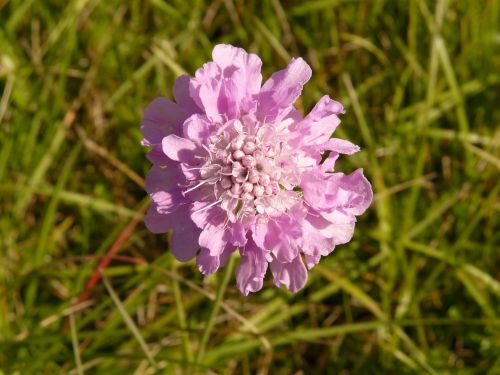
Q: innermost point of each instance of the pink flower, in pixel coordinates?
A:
(236, 166)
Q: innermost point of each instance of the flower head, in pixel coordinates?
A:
(236, 166)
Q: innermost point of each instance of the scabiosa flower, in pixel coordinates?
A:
(237, 167)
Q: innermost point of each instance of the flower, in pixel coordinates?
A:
(236, 166)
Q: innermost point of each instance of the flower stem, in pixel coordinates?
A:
(216, 307)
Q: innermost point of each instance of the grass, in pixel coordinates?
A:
(416, 291)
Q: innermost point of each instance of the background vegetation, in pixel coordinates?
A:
(416, 291)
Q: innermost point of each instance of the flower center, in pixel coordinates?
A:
(242, 165)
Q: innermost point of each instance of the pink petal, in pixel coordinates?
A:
(161, 184)
(324, 108)
(283, 88)
(179, 149)
(314, 242)
(361, 193)
(197, 128)
(230, 59)
(293, 275)
(208, 264)
(161, 118)
(227, 102)
(252, 269)
(184, 237)
(327, 192)
(183, 97)
(321, 122)
(237, 234)
(204, 88)
(162, 178)
(156, 155)
(280, 234)
(312, 260)
(212, 238)
(202, 216)
(282, 238)
(340, 146)
(342, 229)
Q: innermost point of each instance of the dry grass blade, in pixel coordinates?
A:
(129, 322)
(76, 347)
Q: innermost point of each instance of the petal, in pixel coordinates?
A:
(184, 237)
(237, 234)
(340, 146)
(179, 149)
(314, 186)
(228, 100)
(313, 241)
(204, 88)
(208, 264)
(293, 275)
(312, 260)
(342, 230)
(156, 155)
(361, 193)
(197, 128)
(321, 122)
(202, 216)
(282, 240)
(156, 222)
(324, 108)
(283, 88)
(162, 178)
(231, 59)
(327, 192)
(161, 118)
(161, 185)
(252, 269)
(280, 235)
(212, 238)
(182, 95)
(184, 240)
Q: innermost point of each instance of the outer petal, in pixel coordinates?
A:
(237, 234)
(340, 146)
(280, 234)
(293, 275)
(229, 58)
(325, 193)
(252, 268)
(342, 227)
(228, 100)
(361, 193)
(162, 178)
(282, 238)
(184, 237)
(324, 108)
(212, 238)
(204, 88)
(197, 128)
(283, 88)
(183, 97)
(313, 241)
(208, 264)
(156, 155)
(321, 122)
(161, 118)
(179, 149)
(161, 184)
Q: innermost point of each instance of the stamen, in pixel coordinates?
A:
(208, 206)
(194, 187)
